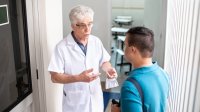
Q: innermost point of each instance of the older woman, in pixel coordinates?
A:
(76, 61)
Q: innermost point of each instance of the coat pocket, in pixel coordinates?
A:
(75, 97)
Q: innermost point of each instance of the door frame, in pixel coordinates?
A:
(34, 19)
(36, 101)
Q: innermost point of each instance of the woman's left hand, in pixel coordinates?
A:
(111, 73)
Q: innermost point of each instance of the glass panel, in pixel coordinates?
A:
(15, 80)
(3, 15)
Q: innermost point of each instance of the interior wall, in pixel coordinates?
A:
(133, 8)
(182, 56)
(48, 31)
(31, 24)
(53, 34)
(155, 18)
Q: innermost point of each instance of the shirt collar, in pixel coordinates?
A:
(75, 39)
(144, 69)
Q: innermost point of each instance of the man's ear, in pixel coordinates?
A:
(133, 49)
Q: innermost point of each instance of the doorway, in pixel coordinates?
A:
(130, 13)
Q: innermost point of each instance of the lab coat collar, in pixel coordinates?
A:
(71, 42)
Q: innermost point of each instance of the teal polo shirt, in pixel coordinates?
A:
(154, 82)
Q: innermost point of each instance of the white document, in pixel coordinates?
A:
(111, 83)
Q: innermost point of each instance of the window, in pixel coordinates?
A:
(15, 75)
(3, 15)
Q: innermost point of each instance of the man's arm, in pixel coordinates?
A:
(130, 98)
(85, 76)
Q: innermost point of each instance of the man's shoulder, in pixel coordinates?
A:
(127, 83)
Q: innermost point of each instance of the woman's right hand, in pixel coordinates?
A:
(86, 76)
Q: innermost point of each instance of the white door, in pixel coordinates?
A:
(18, 75)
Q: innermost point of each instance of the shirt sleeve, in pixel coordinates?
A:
(104, 55)
(130, 98)
(57, 61)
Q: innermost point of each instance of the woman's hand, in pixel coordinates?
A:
(111, 73)
(87, 76)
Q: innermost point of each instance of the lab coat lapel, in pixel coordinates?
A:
(78, 49)
(74, 45)
(89, 54)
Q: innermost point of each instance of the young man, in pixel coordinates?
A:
(76, 61)
(152, 79)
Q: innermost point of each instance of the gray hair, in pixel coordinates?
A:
(79, 12)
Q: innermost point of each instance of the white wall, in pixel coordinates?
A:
(133, 8)
(155, 19)
(102, 18)
(51, 32)
(182, 56)
(45, 32)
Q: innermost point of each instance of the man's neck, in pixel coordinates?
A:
(142, 62)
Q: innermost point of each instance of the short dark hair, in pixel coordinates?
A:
(143, 39)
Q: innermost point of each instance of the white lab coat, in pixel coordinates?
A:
(69, 58)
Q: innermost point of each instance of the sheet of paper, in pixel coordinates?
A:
(111, 83)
